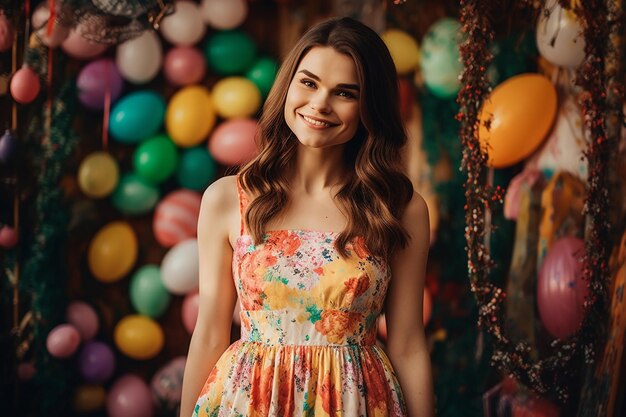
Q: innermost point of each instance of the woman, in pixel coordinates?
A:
(316, 236)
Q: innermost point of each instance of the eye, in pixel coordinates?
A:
(346, 94)
(307, 83)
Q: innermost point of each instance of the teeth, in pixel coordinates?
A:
(316, 122)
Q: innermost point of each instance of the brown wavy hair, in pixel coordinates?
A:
(376, 191)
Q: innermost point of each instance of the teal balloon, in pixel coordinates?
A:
(196, 169)
(148, 295)
(262, 73)
(134, 195)
(230, 52)
(440, 63)
(137, 116)
(155, 160)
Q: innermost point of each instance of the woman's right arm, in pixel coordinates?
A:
(217, 296)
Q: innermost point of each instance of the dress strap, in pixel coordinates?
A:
(243, 205)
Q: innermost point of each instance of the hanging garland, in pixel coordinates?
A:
(549, 375)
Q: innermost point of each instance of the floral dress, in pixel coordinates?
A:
(308, 332)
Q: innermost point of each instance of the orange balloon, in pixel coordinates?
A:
(520, 113)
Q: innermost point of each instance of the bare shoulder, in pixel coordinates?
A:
(220, 204)
(415, 217)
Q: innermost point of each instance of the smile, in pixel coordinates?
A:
(315, 122)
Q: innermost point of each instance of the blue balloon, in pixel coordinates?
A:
(134, 195)
(196, 169)
(137, 116)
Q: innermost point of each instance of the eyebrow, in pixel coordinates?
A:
(316, 78)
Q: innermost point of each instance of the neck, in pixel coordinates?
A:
(318, 170)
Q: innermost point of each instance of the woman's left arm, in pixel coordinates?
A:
(406, 342)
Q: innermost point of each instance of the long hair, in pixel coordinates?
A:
(376, 191)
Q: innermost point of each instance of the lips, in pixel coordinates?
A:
(316, 122)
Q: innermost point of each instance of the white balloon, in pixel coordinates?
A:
(139, 59)
(40, 26)
(179, 267)
(224, 14)
(559, 36)
(184, 26)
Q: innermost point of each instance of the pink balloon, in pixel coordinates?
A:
(561, 290)
(184, 65)
(63, 341)
(129, 397)
(6, 33)
(8, 237)
(189, 311)
(95, 79)
(82, 316)
(233, 141)
(80, 48)
(25, 85)
(176, 217)
(167, 384)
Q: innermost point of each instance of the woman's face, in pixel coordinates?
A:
(322, 105)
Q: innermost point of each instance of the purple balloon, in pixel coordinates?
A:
(96, 362)
(561, 290)
(93, 81)
(129, 397)
(8, 145)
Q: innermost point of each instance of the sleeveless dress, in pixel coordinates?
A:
(308, 332)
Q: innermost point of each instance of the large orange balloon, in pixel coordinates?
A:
(139, 337)
(519, 113)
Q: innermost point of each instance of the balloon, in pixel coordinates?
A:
(134, 195)
(236, 97)
(190, 116)
(129, 397)
(179, 267)
(6, 33)
(189, 311)
(184, 65)
(138, 337)
(139, 59)
(26, 371)
(176, 217)
(62, 341)
(155, 160)
(262, 74)
(8, 237)
(233, 141)
(82, 316)
(80, 48)
(147, 293)
(406, 96)
(519, 113)
(184, 26)
(40, 26)
(25, 85)
(224, 14)
(559, 36)
(196, 169)
(8, 146)
(167, 384)
(113, 251)
(96, 362)
(403, 49)
(440, 62)
(137, 116)
(95, 79)
(88, 398)
(98, 175)
(230, 52)
(561, 290)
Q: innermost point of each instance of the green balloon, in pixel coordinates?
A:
(155, 160)
(196, 169)
(148, 295)
(134, 195)
(263, 73)
(440, 61)
(230, 52)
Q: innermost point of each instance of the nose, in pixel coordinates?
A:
(320, 101)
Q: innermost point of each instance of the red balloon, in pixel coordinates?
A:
(407, 97)
(189, 311)
(8, 237)
(184, 65)
(561, 290)
(25, 85)
(233, 141)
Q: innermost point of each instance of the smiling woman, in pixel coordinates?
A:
(315, 237)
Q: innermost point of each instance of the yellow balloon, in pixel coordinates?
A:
(403, 49)
(190, 116)
(98, 175)
(88, 398)
(112, 251)
(236, 97)
(138, 337)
